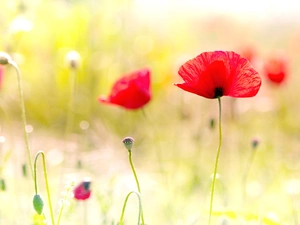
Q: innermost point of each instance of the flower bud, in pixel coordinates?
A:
(128, 143)
(4, 58)
(255, 143)
(38, 204)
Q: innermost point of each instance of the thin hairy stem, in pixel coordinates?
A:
(136, 179)
(23, 113)
(133, 170)
(216, 164)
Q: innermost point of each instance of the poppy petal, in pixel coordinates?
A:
(246, 81)
(218, 73)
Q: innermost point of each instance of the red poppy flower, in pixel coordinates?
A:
(219, 73)
(276, 69)
(132, 91)
(82, 191)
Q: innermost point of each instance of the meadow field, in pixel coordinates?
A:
(70, 52)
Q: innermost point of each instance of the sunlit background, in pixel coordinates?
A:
(175, 143)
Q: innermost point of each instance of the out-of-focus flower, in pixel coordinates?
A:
(219, 73)
(20, 24)
(73, 59)
(249, 53)
(132, 91)
(275, 69)
(83, 191)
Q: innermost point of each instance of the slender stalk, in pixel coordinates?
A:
(70, 116)
(64, 201)
(158, 147)
(216, 163)
(61, 210)
(136, 179)
(140, 208)
(46, 181)
(133, 170)
(23, 113)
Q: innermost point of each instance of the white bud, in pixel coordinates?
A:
(73, 59)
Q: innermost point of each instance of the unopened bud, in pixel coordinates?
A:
(38, 204)
(128, 143)
(255, 143)
(4, 58)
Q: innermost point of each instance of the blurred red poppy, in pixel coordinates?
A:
(249, 53)
(219, 73)
(82, 191)
(276, 69)
(132, 91)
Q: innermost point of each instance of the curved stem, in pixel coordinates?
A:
(216, 163)
(136, 179)
(140, 208)
(23, 113)
(46, 181)
(134, 173)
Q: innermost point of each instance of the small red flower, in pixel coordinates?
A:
(276, 69)
(82, 191)
(219, 73)
(132, 91)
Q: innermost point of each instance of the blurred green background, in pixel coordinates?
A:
(175, 144)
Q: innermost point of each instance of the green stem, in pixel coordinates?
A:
(64, 201)
(70, 117)
(140, 208)
(46, 181)
(216, 163)
(61, 209)
(23, 113)
(134, 173)
(136, 179)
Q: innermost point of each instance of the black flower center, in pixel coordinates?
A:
(218, 92)
(86, 185)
